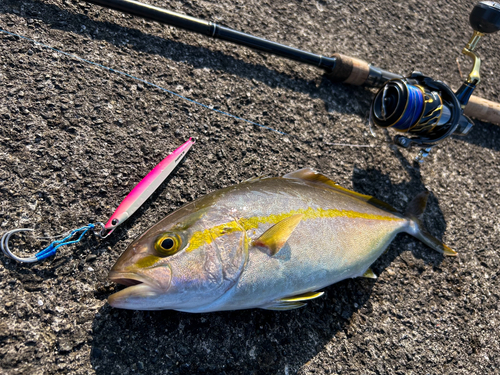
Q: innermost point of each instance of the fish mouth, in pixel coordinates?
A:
(138, 287)
(125, 278)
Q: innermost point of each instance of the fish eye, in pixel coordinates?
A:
(167, 244)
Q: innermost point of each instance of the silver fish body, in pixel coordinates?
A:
(266, 243)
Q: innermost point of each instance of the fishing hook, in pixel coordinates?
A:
(4, 244)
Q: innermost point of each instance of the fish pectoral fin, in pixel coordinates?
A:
(302, 297)
(275, 237)
(369, 274)
(283, 306)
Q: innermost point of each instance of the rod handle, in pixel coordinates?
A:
(349, 70)
(358, 72)
(484, 110)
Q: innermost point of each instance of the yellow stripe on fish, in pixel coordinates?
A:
(207, 236)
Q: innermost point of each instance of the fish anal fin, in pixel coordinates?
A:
(302, 297)
(369, 274)
(279, 306)
(293, 302)
(275, 237)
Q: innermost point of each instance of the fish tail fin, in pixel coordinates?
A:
(414, 213)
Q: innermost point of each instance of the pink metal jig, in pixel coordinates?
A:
(143, 190)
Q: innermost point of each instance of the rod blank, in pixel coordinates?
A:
(216, 31)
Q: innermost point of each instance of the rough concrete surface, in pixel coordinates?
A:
(75, 138)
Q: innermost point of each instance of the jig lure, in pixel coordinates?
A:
(143, 190)
(139, 194)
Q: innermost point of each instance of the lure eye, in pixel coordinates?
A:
(168, 244)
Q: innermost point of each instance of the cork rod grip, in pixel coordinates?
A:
(484, 110)
(349, 70)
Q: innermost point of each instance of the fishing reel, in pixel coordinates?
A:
(427, 110)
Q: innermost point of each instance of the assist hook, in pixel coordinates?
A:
(49, 250)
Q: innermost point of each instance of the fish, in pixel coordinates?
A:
(271, 242)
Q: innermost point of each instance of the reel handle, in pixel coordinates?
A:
(485, 17)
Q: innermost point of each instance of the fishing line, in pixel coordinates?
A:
(141, 80)
(166, 90)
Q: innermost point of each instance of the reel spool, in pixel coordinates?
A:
(427, 110)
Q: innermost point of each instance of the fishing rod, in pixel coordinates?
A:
(427, 110)
(339, 68)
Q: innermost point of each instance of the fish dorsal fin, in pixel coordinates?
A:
(307, 174)
(311, 176)
(275, 237)
(293, 302)
(254, 179)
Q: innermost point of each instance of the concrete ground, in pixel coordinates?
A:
(75, 138)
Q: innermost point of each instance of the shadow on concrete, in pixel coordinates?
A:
(482, 134)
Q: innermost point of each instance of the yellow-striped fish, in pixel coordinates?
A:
(269, 243)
